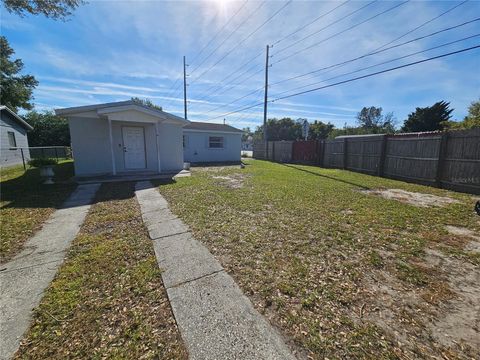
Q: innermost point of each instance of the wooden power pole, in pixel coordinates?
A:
(265, 102)
(185, 88)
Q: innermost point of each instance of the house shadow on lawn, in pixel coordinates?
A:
(28, 191)
(326, 176)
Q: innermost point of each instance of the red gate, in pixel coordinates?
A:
(305, 151)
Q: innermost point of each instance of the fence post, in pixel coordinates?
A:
(383, 155)
(441, 159)
(345, 154)
(23, 160)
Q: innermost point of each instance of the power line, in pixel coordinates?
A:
(377, 73)
(351, 80)
(234, 85)
(220, 30)
(341, 32)
(228, 37)
(241, 42)
(325, 27)
(220, 85)
(311, 22)
(377, 52)
(422, 25)
(382, 63)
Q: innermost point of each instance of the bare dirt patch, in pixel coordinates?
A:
(233, 181)
(445, 308)
(413, 198)
(474, 244)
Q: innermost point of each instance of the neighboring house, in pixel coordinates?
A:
(247, 144)
(13, 138)
(209, 142)
(125, 137)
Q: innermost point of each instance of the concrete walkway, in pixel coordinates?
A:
(216, 320)
(24, 278)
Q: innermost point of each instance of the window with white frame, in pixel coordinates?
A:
(11, 139)
(215, 142)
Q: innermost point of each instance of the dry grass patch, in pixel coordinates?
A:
(107, 300)
(413, 198)
(26, 204)
(342, 273)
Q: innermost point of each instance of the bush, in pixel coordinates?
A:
(42, 162)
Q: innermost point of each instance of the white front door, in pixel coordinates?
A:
(134, 147)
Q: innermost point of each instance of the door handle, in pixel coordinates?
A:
(124, 149)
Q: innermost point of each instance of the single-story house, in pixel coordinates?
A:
(208, 142)
(13, 138)
(127, 137)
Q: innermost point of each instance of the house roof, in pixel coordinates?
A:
(118, 106)
(204, 126)
(15, 117)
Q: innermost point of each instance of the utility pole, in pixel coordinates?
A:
(185, 88)
(265, 105)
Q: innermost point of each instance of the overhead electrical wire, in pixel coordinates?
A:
(220, 31)
(350, 80)
(348, 61)
(377, 51)
(422, 25)
(248, 17)
(242, 41)
(340, 32)
(310, 23)
(382, 63)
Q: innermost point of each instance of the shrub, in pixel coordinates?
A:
(42, 162)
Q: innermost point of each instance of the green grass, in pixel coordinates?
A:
(107, 300)
(305, 243)
(26, 203)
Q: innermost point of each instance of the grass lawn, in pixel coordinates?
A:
(341, 272)
(107, 300)
(25, 203)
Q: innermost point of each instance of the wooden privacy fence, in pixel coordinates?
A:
(449, 160)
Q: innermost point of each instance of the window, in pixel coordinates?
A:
(215, 142)
(11, 139)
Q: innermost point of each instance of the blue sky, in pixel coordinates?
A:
(112, 50)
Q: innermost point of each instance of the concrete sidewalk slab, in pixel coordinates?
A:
(167, 228)
(216, 320)
(183, 259)
(24, 278)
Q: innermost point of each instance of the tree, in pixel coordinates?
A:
(372, 120)
(280, 129)
(48, 129)
(246, 134)
(319, 130)
(472, 120)
(146, 102)
(55, 9)
(15, 90)
(429, 118)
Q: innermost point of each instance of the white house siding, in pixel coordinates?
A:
(90, 146)
(12, 157)
(171, 149)
(197, 148)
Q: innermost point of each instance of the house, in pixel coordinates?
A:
(127, 137)
(208, 142)
(13, 138)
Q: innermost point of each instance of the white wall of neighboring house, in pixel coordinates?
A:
(197, 149)
(8, 155)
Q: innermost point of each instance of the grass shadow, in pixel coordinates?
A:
(326, 176)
